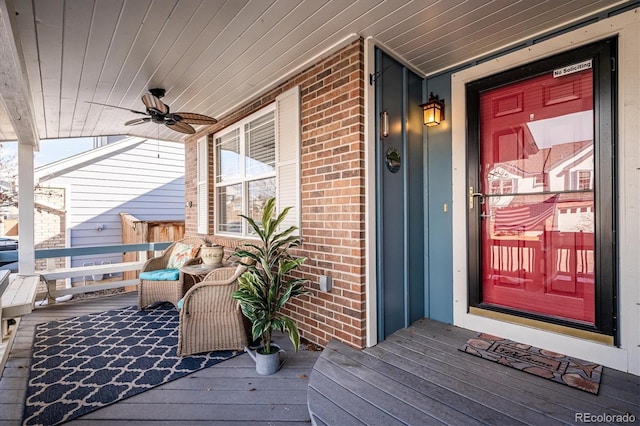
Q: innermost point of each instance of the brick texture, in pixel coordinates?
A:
(332, 188)
(50, 217)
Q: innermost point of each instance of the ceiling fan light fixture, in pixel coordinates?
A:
(158, 112)
(157, 118)
(157, 92)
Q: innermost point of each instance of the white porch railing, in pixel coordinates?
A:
(51, 275)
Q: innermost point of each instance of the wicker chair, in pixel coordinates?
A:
(152, 291)
(210, 320)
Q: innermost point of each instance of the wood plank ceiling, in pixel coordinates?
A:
(213, 55)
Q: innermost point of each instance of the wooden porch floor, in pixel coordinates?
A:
(227, 393)
(417, 376)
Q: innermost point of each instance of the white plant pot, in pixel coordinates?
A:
(212, 255)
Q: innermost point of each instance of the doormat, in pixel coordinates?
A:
(85, 363)
(570, 371)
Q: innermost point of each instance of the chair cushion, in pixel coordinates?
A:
(180, 304)
(181, 254)
(160, 275)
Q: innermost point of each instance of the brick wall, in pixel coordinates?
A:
(332, 184)
(50, 219)
(190, 187)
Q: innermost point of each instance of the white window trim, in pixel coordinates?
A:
(202, 185)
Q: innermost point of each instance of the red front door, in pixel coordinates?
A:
(537, 180)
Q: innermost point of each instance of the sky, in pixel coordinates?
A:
(50, 149)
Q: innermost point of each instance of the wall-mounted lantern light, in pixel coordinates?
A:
(433, 111)
(384, 124)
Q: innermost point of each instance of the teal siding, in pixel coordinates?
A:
(414, 249)
(415, 199)
(439, 293)
(400, 208)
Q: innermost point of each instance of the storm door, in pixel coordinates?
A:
(540, 194)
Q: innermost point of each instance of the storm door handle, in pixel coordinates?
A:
(472, 195)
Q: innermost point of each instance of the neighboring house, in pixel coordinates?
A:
(400, 221)
(51, 220)
(142, 177)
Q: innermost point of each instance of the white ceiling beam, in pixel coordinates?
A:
(15, 95)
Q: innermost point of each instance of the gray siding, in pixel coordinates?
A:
(146, 180)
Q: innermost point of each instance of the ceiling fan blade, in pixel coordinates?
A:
(154, 103)
(193, 118)
(181, 127)
(137, 121)
(113, 106)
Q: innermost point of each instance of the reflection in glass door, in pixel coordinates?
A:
(537, 169)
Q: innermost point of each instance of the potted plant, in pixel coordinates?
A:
(266, 287)
(211, 254)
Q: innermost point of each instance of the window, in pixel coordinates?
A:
(503, 186)
(256, 159)
(245, 170)
(581, 180)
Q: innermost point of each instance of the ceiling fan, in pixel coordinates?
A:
(158, 112)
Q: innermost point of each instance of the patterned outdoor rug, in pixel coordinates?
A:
(560, 368)
(85, 363)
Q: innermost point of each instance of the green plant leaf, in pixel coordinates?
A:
(286, 234)
(292, 328)
(278, 324)
(280, 218)
(267, 214)
(294, 288)
(251, 254)
(259, 327)
(288, 265)
(256, 228)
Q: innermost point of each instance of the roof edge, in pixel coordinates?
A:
(51, 170)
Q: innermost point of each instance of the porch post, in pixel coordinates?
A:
(26, 204)
(370, 140)
(15, 97)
